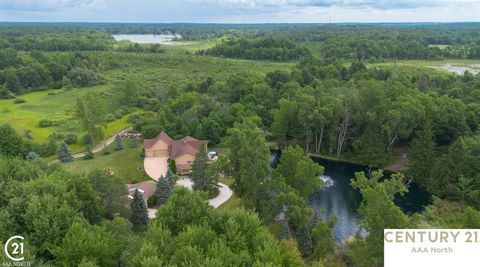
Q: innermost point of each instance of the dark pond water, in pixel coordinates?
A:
(339, 199)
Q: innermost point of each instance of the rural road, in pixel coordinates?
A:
(103, 144)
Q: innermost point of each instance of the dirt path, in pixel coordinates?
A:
(103, 144)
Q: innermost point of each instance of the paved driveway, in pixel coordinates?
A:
(155, 167)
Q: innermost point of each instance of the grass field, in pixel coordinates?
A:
(55, 105)
(126, 164)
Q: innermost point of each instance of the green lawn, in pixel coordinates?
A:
(126, 164)
(55, 105)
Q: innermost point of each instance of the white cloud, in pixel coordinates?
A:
(44, 5)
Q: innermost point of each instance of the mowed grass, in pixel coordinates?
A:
(127, 164)
(58, 105)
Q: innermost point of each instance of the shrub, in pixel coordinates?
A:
(48, 123)
(110, 118)
(31, 156)
(19, 101)
(151, 201)
(48, 148)
(57, 136)
(27, 134)
(106, 152)
(70, 139)
(5, 94)
(124, 110)
(89, 154)
(118, 115)
(133, 118)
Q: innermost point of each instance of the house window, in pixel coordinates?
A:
(189, 161)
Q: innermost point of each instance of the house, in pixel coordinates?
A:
(183, 151)
(146, 189)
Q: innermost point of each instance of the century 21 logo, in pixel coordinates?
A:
(15, 244)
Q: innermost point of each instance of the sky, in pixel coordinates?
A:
(240, 11)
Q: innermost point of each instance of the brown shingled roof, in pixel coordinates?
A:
(148, 143)
(186, 145)
(148, 189)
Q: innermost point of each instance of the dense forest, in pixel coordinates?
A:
(258, 49)
(332, 101)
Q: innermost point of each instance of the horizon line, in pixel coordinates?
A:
(241, 23)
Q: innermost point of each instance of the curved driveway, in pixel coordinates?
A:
(156, 167)
(225, 193)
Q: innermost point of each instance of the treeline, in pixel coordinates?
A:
(22, 72)
(276, 49)
(53, 37)
(356, 47)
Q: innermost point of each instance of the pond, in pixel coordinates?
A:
(460, 68)
(147, 38)
(339, 199)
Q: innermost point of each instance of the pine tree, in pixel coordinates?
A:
(421, 154)
(171, 178)
(118, 142)
(163, 189)
(198, 171)
(304, 239)
(64, 154)
(139, 216)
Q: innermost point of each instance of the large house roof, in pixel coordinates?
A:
(186, 145)
(148, 143)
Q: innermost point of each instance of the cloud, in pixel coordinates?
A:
(289, 4)
(48, 5)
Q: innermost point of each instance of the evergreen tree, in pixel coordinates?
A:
(171, 178)
(64, 154)
(139, 216)
(119, 143)
(421, 154)
(371, 147)
(198, 171)
(172, 166)
(163, 189)
(449, 169)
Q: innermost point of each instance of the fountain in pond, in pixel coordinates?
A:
(327, 180)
